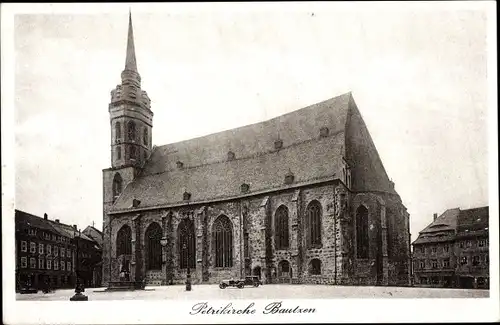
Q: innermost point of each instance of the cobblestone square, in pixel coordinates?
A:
(212, 292)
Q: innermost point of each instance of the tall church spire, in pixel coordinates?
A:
(130, 62)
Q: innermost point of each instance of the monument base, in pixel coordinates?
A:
(125, 286)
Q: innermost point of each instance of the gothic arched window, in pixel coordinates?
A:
(362, 231)
(284, 269)
(152, 238)
(187, 243)
(145, 137)
(132, 152)
(118, 130)
(222, 232)
(281, 228)
(313, 224)
(131, 130)
(124, 241)
(315, 266)
(117, 186)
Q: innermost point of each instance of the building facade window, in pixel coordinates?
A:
(313, 224)
(446, 263)
(24, 246)
(24, 262)
(481, 243)
(153, 247)
(56, 265)
(434, 264)
(131, 130)
(56, 251)
(117, 186)
(422, 264)
(222, 232)
(281, 228)
(186, 240)
(475, 260)
(446, 248)
(315, 266)
(132, 152)
(32, 263)
(434, 249)
(284, 269)
(118, 130)
(32, 248)
(62, 252)
(41, 263)
(68, 268)
(49, 249)
(49, 264)
(124, 241)
(63, 266)
(463, 260)
(40, 248)
(145, 138)
(362, 240)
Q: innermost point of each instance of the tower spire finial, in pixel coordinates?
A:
(130, 62)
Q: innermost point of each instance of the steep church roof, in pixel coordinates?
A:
(201, 167)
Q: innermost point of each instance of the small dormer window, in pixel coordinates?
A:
(289, 177)
(180, 164)
(278, 144)
(324, 132)
(135, 203)
(186, 196)
(230, 156)
(245, 188)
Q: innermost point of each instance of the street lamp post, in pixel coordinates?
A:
(188, 235)
(164, 243)
(78, 296)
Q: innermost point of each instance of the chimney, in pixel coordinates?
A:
(435, 216)
(57, 220)
(45, 216)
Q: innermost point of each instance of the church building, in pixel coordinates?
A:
(300, 198)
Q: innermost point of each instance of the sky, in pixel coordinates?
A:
(418, 76)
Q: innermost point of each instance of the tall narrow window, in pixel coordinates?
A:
(118, 153)
(281, 228)
(131, 130)
(124, 241)
(145, 138)
(118, 130)
(313, 224)
(222, 232)
(132, 152)
(187, 244)
(117, 186)
(153, 247)
(362, 232)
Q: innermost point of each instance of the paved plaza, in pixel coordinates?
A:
(263, 292)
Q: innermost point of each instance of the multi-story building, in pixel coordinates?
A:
(452, 251)
(94, 261)
(301, 198)
(472, 248)
(45, 252)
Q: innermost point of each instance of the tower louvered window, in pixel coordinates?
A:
(145, 138)
(313, 222)
(131, 131)
(118, 130)
(223, 241)
(281, 228)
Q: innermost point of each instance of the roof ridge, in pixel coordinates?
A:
(348, 95)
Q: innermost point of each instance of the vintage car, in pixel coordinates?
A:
(240, 283)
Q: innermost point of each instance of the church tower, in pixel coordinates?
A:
(131, 121)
